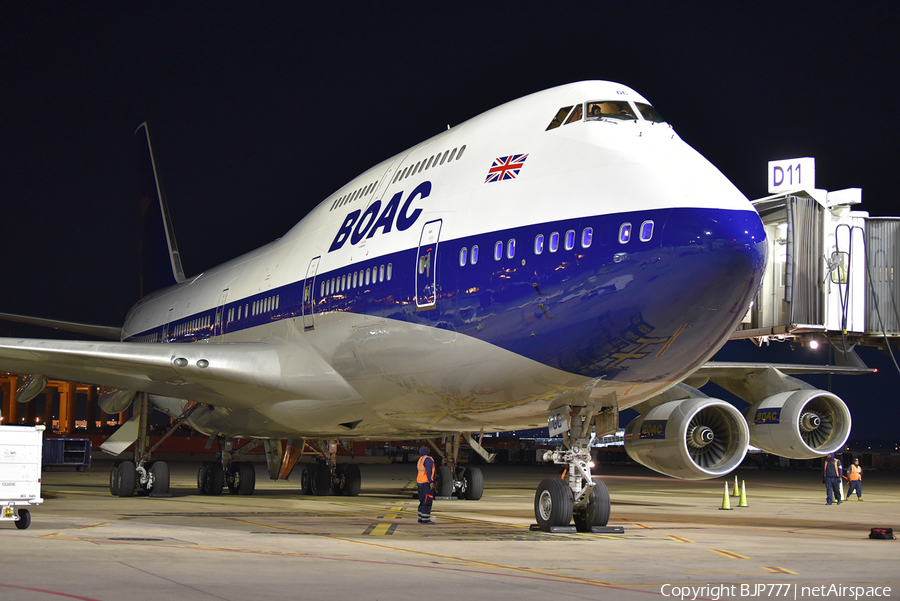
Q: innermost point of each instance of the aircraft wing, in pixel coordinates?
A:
(227, 374)
(725, 369)
(103, 332)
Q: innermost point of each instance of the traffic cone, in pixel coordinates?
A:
(841, 485)
(726, 502)
(743, 502)
(735, 493)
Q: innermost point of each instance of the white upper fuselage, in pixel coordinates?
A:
(623, 261)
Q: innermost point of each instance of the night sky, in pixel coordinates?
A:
(260, 112)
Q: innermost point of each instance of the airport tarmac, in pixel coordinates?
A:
(277, 544)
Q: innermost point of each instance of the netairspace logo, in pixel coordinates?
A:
(785, 591)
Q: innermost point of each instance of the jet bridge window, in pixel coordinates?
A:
(609, 109)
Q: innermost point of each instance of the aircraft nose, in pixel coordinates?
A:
(719, 256)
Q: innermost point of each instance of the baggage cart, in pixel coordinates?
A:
(66, 452)
(20, 472)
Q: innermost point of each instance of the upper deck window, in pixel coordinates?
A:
(609, 109)
(649, 113)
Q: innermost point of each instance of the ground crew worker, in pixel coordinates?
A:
(425, 482)
(854, 474)
(831, 476)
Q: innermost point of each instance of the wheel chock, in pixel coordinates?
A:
(555, 529)
(607, 530)
(726, 502)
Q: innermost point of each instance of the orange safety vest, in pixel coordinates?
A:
(855, 473)
(837, 469)
(422, 477)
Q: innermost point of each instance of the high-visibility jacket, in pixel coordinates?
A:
(426, 469)
(855, 473)
(832, 469)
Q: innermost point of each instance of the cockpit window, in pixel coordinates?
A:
(575, 116)
(610, 109)
(649, 113)
(558, 119)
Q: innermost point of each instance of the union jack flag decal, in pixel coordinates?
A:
(505, 168)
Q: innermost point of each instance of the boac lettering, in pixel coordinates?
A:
(371, 221)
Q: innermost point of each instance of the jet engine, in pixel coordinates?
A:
(799, 424)
(693, 439)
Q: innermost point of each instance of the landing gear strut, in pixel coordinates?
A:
(238, 476)
(451, 479)
(576, 495)
(142, 474)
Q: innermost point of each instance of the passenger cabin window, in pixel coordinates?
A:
(474, 257)
(646, 231)
(498, 250)
(463, 256)
(554, 242)
(624, 233)
(539, 244)
(587, 237)
(570, 239)
(609, 109)
(511, 249)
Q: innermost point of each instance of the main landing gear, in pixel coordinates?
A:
(576, 496)
(142, 474)
(325, 477)
(238, 476)
(454, 480)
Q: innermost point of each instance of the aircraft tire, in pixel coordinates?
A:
(125, 479)
(597, 511)
(246, 474)
(305, 480)
(474, 483)
(443, 481)
(201, 478)
(352, 480)
(320, 480)
(114, 481)
(215, 479)
(552, 504)
(160, 472)
(24, 520)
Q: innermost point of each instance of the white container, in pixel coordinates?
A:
(20, 472)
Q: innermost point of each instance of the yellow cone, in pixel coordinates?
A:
(735, 492)
(726, 502)
(743, 502)
(841, 484)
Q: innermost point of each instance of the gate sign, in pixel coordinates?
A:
(791, 175)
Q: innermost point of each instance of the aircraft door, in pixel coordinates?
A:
(219, 324)
(426, 266)
(309, 294)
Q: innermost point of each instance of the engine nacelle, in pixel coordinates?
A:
(116, 401)
(693, 439)
(799, 424)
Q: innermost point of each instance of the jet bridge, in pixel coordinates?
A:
(831, 268)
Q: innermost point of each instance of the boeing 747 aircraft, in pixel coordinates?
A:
(551, 261)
